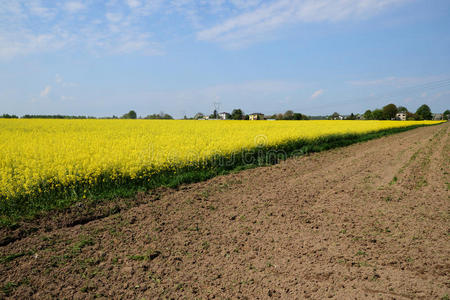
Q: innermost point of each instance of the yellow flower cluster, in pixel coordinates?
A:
(55, 154)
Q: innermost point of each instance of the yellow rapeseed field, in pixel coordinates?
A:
(59, 154)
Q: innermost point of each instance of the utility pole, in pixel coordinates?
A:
(216, 109)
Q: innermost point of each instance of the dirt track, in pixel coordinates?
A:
(366, 221)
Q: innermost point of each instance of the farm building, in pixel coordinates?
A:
(223, 115)
(401, 116)
(438, 117)
(256, 116)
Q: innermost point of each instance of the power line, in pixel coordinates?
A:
(400, 92)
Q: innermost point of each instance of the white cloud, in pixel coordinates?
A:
(61, 82)
(316, 94)
(245, 3)
(36, 8)
(251, 26)
(31, 27)
(399, 82)
(113, 17)
(125, 26)
(46, 91)
(66, 98)
(74, 6)
(133, 3)
(58, 78)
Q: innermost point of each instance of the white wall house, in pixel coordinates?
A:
(223, 115)
(401, 116)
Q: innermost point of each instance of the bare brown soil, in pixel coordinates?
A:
(366, 221)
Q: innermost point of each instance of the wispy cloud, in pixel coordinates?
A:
(251, 26)
(133, 3)
(393, 81)
(66, 98)
(34, 27)
(61, 82)
(74, 6)
(141, 26)
(316, 94)
(35, 7)
(46, 91)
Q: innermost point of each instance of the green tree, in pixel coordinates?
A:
(378, 114)
(446, 114)
(424, 112)
(288, 115)
(237, 114)
(368, 115)
(411, 117)
(199, 115)
(130, 115)
(351, 117)
(389, 111)
(334, 116)
(161, 115)
(402, 109)
(299, 116)
(214, 115)
(8, 116)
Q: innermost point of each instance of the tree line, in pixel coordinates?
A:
(129, 115)
(238, 114)
(388, 112)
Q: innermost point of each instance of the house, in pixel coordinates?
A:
(256, 116)
(438, 117)
(223, 115)
(400, 116)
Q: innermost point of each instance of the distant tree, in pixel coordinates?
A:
(351, 117)
(446, 114)
(288, 115)
(378, 114)
(368, 115)
(237, 114)
(402, 109)
(411, 116)
(424, 112)
(389, 111)
(161, 115)
(130, 115)
(299, 116)
(334, 116)
(55, 117)
(8, 116)
(199, 116)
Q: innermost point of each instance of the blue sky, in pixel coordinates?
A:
(312, 56)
